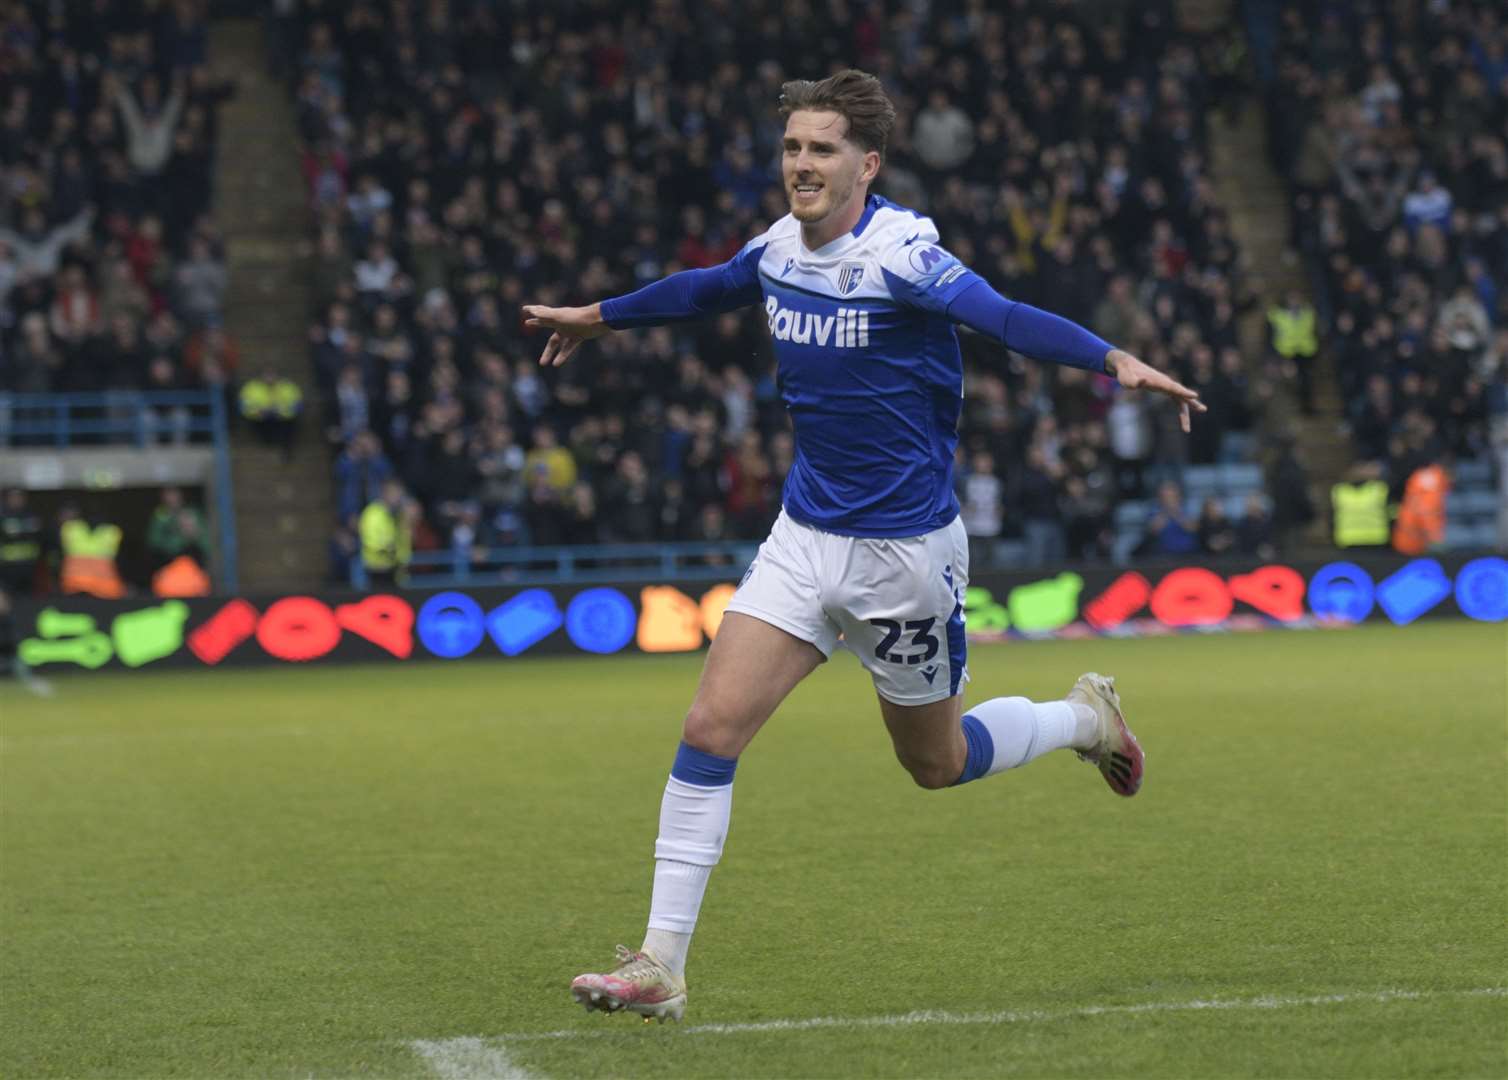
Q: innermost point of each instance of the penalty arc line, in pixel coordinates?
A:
(473, 1058)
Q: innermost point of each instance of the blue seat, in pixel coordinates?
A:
(1125, 543)
(1235, 505)
(1201, 480)
(1133, 514)
(1010, 553)
(1459, 536)
(1486, 534)
(1476, 503)
(1241, 478)
(1473, 472)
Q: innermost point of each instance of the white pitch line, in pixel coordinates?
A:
(468, 1058)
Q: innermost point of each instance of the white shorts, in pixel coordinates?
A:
(897, 603)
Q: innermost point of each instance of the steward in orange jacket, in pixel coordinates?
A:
(1421, 516)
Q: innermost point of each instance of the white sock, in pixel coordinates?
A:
(668, 947)
(1022, 731)
(693, 826)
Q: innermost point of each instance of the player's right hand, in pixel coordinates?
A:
(572, 326)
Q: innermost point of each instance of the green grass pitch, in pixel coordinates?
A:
(293, 873)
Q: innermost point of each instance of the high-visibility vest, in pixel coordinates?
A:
(282, 397)
(385, 541)
(20, 538)
(1294, 333)
(1421, 516)
(287, 398)
(89, 559)
(1361, 513)
(181, 577)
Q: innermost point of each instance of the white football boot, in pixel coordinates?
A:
(1117, 754)
(639, 984)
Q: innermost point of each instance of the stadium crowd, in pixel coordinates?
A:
(112, 271)
(1390, 123)
(1060, 150)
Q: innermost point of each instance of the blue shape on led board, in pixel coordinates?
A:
(523, 621)
(601, 620)
(1482, 589)
(1410, 592)
(1341, 590)
(450, 624)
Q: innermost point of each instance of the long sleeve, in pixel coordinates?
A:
(1028, 330)
(690, 294)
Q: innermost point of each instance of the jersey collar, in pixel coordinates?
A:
(838, 244)
(871, 204)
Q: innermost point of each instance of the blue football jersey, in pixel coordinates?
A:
(868, 366)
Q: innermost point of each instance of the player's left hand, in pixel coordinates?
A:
(572, 326)
(1135, 375)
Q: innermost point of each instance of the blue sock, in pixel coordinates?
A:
(693, 766)
(981, 750)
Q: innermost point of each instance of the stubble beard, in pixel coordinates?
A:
(812, 215)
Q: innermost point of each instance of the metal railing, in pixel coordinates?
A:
(565, 565)
(139, 418)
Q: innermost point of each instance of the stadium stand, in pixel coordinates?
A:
(1391, 124)
(1062, 156)
(112, 270)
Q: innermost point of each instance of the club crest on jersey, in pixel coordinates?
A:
(849, 277)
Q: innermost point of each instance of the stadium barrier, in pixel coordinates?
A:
(83, 633)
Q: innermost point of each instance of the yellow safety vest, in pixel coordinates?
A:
(89, 559)
(1294, 333)
(283, 397)
(287, 398)
(1361, 513)
(385, 541)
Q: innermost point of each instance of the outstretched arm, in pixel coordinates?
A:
(682, 297)
(1046, 336)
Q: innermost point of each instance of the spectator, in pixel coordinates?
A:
(982, 507)
(89, 554)
(630, 514)
(200, 283)
(943, 136)
(1041, 515)
(386, 532)
(1360, 508)
(151, 123)
(361, 472)
(1254, 534)
(1420, 525)
(21, 539)
(271, 404)
(1217, 534)
(1169, 531)
(550, 461)
(37, 250)
(176, 529)
(1295, 337)
(430, 229)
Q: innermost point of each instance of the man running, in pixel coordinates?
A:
(861, 302)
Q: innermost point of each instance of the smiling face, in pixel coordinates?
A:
(826, 176)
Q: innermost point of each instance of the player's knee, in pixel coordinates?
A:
(932, 775)
(708, 730)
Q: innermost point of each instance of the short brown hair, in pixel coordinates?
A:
(855, 95)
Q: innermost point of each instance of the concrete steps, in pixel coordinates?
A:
(284, 510)
(1258, 203)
